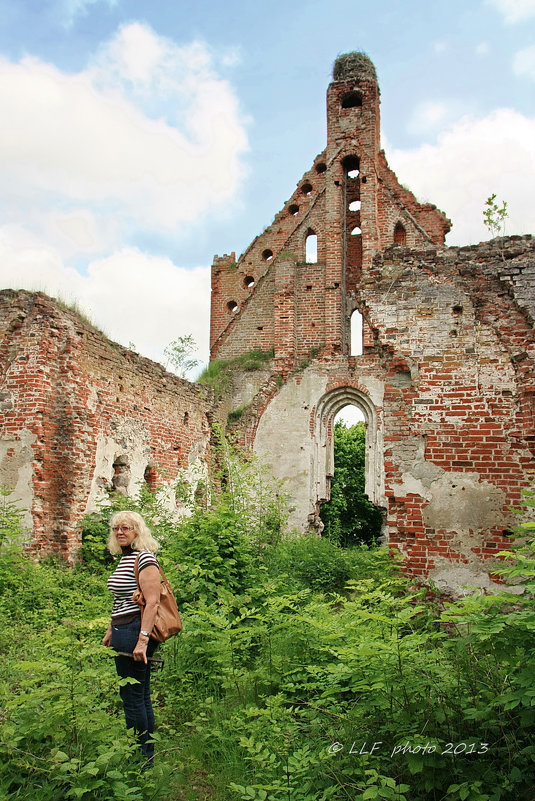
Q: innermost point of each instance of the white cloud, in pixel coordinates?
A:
(482, 49)
(428, 116)
(524, 62)
(148, 300)
(84, 143)
(131, 296)
(471, 160)
(148, 139)
(514, 10)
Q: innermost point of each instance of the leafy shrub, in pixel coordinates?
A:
(218, 374)
(349, 517)
(210, 553)
(318, 563)
(11, 519)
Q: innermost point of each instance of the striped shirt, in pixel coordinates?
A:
(122, 583)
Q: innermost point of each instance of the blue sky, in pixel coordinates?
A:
(141, 138)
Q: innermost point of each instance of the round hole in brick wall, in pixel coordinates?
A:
(306, 189)
(267, 255)
(321, 167)
(293, 209)
(248, 282)
(354, 205)
(232, 306)
(457, 309)
(356, 231)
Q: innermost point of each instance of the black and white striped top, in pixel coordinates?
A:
(122, 582)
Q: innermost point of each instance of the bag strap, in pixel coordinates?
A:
(136, 570)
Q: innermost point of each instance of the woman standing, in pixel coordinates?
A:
(129, 630)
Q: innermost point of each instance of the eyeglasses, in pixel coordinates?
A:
(121, 528)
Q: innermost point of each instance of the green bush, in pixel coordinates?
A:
(349, 517)
(318, 563)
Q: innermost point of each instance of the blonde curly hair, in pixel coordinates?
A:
(144, 541)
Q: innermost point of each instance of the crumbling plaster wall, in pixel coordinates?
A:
(81, 415)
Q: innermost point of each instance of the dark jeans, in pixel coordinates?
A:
(135, 697)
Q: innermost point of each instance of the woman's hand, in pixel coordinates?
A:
(140, 651)
(106, 640)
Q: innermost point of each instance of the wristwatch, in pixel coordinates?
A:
(145, 633)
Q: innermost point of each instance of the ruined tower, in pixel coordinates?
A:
(296, 286)
(446, 402)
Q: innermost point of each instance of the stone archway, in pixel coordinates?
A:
(325, 412)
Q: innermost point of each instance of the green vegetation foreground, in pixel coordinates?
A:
(305, 672)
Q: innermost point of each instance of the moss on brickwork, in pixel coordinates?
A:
(218, 373)
(236, 414)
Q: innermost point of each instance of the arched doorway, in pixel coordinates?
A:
(348, 516)
(330, 406)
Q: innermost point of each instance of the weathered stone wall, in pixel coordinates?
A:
(81, 415)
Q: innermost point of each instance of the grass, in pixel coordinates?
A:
(218, 373)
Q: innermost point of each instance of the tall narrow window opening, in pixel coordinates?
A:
(351, 166)
(356, 333)
(311, 248)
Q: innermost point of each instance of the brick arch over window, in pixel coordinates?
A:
(325, 412)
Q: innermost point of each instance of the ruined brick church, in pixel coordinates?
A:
(354, 300)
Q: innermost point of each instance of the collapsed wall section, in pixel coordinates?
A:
(81, 415)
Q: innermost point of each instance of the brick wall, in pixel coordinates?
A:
(446, 378)
(446, 384)
(80, 415)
